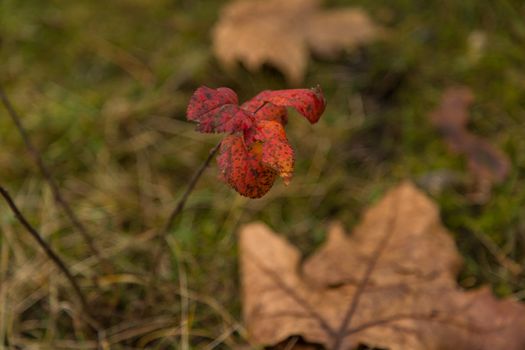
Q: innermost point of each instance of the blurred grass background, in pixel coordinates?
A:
(103, 86)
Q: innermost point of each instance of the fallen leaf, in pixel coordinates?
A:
(281, 33)
(452, 113)
(390, 284)
(487, 164)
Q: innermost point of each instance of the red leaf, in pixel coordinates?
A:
(266, 111)
(309, 102)
(241, 167)
(258, 150)
(276, 151)
(217, 110)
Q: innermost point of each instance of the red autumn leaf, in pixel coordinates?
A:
(257, 149)
(310, 103)
(241, 167)
(217, 111)
(276, 151)
(266, 111)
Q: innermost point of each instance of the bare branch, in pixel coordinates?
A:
(35, 154)
(180, 205)
(47, 249)
(182, 202)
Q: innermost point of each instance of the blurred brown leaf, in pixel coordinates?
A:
(487, 164)
(282, 32)
(391, 284)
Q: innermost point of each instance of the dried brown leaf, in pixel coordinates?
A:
(487, 164)
(452, 112)
(391, 284)
(281, 33)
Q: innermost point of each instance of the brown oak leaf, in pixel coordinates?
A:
(390, 284)
(281, 33)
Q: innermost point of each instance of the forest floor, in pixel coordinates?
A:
(102, 88)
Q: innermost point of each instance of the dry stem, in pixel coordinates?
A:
(46, 247)
(59, 198)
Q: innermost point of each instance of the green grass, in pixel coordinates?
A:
(102, 87)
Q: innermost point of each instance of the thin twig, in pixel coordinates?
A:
(47, 175)
(180, 207)
(182, 202)
(47, 249)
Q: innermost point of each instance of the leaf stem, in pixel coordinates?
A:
(180, 207)
(182, 202)
(46, 172)
(46, 247)
(260, 107)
